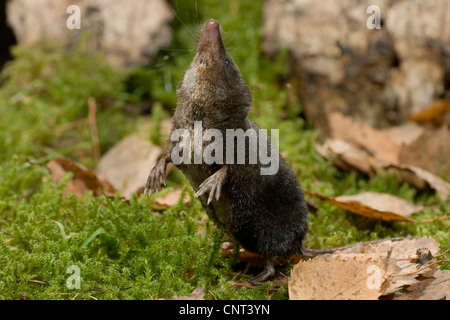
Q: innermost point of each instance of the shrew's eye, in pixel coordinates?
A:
(227, 63)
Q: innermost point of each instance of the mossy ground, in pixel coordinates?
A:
(125, 250)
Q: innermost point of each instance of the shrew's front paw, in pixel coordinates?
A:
(213, 185)
(157, 174)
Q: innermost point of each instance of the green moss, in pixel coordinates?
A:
(125, 250)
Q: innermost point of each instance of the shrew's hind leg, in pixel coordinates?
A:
(266, 274)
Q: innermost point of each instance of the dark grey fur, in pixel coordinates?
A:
(266, 214)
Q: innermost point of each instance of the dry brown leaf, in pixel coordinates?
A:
(405, 248)
(378, 143)
(347, 156)
(83, 179)
(399, 250)
(404, 134)
(384, 145)
(360, 147)
(373, 205)
(390, 267)
(171, 198)
(357, 154)
(421, 178)
(338, 277)
(197, 294)
(431, 151)
(439, 288)
(383, 203)
(434, 113)
(427, 288)
(127, 164)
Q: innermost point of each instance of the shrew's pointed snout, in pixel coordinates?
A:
(211, 35)
(211, 26)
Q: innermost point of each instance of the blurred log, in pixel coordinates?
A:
(377, 76)
(129, 33)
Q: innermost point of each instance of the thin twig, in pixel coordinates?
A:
(416, 257)
(442, 254)
(37, 282)
(93, 127)
(237, 284)
(215, 298)
(447, 216)
(423, 268)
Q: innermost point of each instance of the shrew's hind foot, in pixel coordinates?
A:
(267, 274)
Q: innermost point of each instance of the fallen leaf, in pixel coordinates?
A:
(439, 287)
(430, 151)
(380, 270)
(127, 165)
(436, 287)
(171, 198)
(376, 142)
(418, 154)
(404, 134)
(399, 252)
(383, 145)
(434, 113)
(421, 178)
(83, 179)
(197, 294)
(337, 277)
(373, 205)
(347, 156)
(383, 203)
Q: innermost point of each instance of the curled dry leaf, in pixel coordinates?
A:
(438, 288)
(431, 151)
(418, 154)
(400, 252)
(385, 146)
(171, 198)
(374, 205)
(376, 142)
(380, 270)
(337, 277)
(421, 178)
(197, 294)
(435, 113)
(83, 179)
(127, 165)
(404, 134)
(347, 156)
